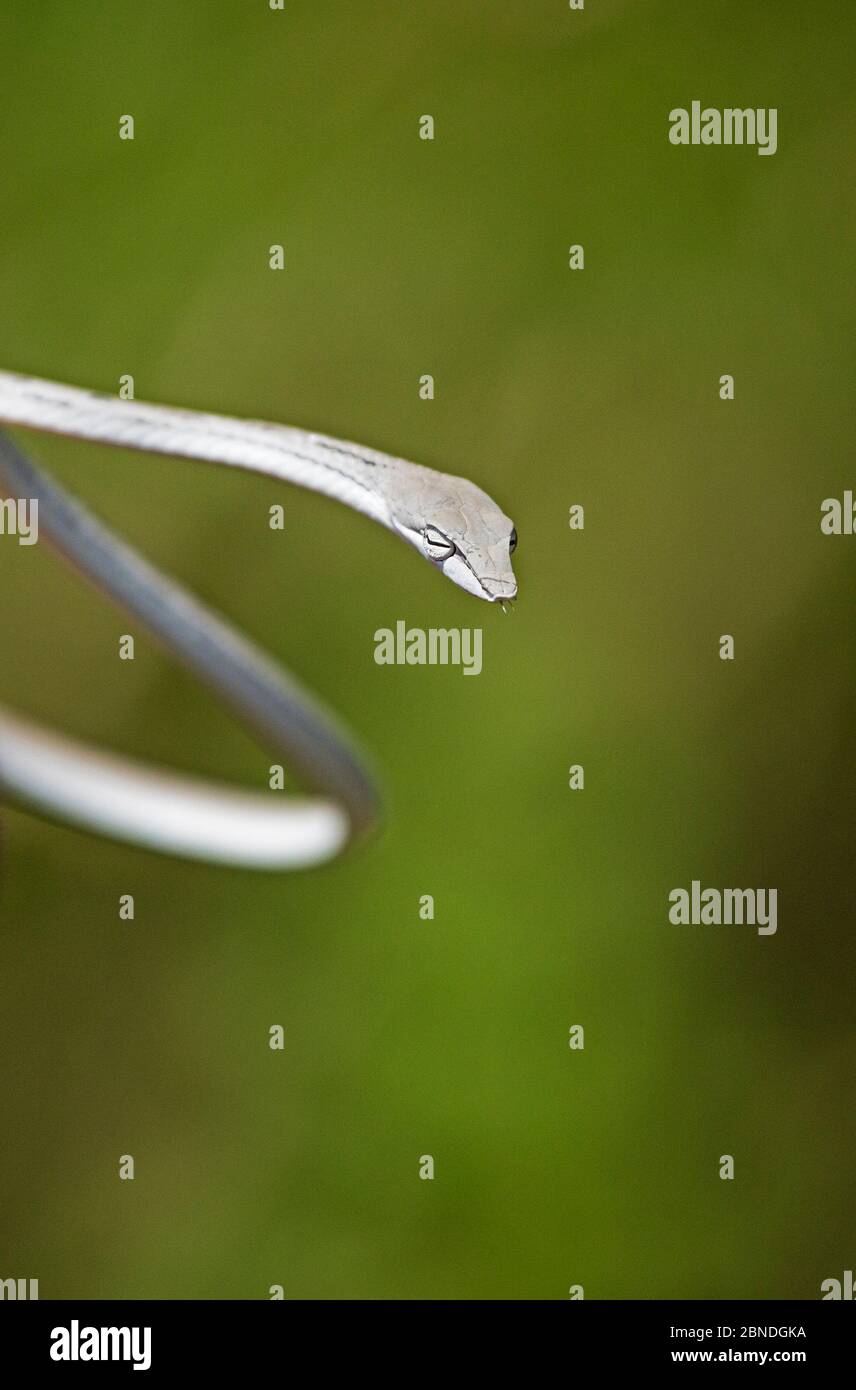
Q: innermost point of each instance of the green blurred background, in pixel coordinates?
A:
(553, 387)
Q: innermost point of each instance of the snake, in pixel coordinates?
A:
(452, 522)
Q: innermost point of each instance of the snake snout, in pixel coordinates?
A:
(499, 590)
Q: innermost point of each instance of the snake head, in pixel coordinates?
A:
(462, 531)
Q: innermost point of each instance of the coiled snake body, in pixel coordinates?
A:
(454, 524)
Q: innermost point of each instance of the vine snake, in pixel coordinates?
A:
(453, 523)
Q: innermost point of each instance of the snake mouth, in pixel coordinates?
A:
(499, 590)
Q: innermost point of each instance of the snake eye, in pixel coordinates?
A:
(437, 546)
(512, 541)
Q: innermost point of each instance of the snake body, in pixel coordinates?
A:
(454, 524)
